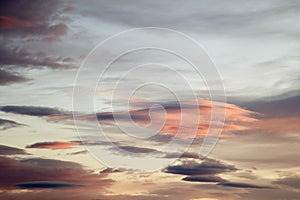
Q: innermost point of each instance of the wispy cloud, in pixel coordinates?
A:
(34, 110)
(7, 150)
(290, 181)
(244, 185)
(6, 124)
(53, 145)
(237, 118)
(7, 77)
(210, 178)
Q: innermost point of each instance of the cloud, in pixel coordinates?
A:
(135, 149)
(244, 185)
(6, 150)
(28, 18)
(79, 152)
(53, 145)
(184, 155)
(237, 118)
(50, 179)
(46, 184)
(19, 58)
(56, 145)
(279, 107)
(280, 115)
(6, 124)
(21, 24)
(33, 110)
(207, 167)
(291, 181)
(48, 170)
(231, 18)
(7, 77)
(203, 179)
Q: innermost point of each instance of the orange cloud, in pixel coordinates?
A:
(182, 117)
(236, 118)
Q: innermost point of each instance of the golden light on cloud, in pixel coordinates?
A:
(53, 145)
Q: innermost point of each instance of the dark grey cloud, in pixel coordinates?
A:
(46, 184)
(30, 18)
(279, 106)
(184, 155)
(18, 57)
(110, 170)
(207, 167)
(7, 77)
(203, 179)
(34, 110)
(291, 181)
(139, 151)
(244, 185)
(6, 124)
(6, 150)
(138, 115)
(135, 149)
(14, 171)
(109, 116)
(24, 22)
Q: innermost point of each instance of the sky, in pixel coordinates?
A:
(143, 100)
